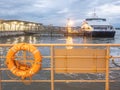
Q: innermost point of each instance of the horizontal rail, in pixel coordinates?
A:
(67, 81)
(112, 57)
(82, 69)
(112, 45)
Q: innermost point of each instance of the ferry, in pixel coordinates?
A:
(97, 27)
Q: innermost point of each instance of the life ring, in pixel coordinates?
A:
(20, 69)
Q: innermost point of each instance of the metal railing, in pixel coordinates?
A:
(50, 49)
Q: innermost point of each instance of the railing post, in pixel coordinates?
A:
(0, 72)
(107, 69)
(0, 76)
(52, 68)
(0, 79)
(24, 57)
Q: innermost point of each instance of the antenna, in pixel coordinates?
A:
(94, 13)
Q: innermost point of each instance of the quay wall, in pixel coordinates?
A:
(11, 33)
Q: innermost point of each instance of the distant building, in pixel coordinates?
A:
(19, 25)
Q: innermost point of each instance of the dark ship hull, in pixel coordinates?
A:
(108, 34)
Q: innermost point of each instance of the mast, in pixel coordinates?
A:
(94, 14)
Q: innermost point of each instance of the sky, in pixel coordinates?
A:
(56, 12)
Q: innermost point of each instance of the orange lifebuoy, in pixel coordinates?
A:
(20, 69)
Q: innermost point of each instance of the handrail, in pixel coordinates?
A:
(47, 44)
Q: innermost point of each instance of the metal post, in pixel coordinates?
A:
(0, 79)
(107, 69)
(0, 73)
(52, 69)
(24, 57)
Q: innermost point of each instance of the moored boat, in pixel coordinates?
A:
(97, 27)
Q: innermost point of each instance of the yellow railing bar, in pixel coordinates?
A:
(107, 69)
(65, 68)
(112, 45)
(67, 81)
(52, 69)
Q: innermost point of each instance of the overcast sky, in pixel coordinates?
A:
(56, 12)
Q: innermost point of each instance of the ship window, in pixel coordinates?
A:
(100, 27)
(111, 27)
(98, 19)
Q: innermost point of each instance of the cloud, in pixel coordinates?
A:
(65, 10)
(109, 9)
(57, 11)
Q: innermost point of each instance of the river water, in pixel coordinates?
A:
(36, 39)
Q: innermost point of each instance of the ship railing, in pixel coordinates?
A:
(55, 54)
